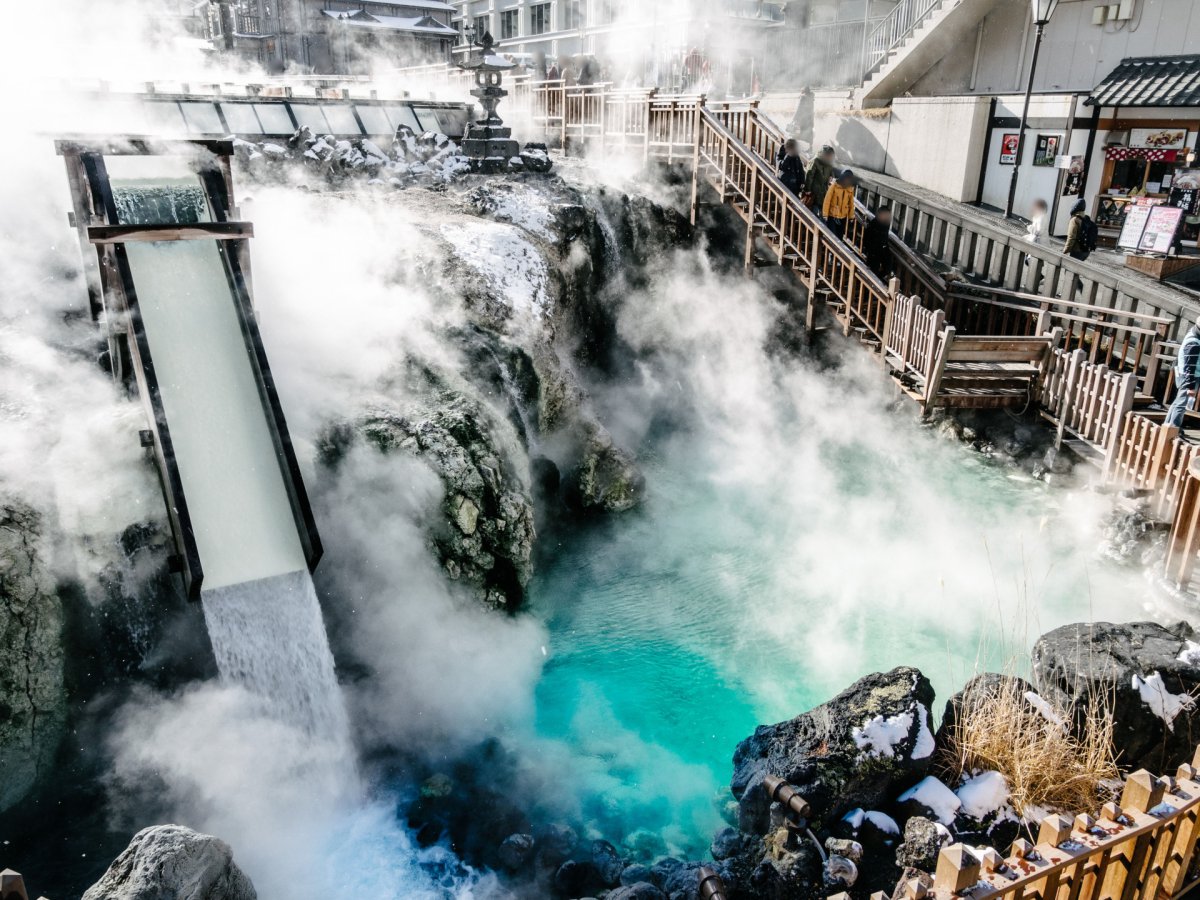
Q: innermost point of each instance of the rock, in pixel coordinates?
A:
(33, 700)
(437, 786)
(852, 850)
(921, 846)
(574, 877)
(607, 479)
(487, 540)
(515, 851)
(555, 843)
(1150, 674)
(727, 843)
(634, 873)
(607, 862)
(639, 890)
(645, 845)
(170, 861)
(910, 874)
(985, 682)
(860, 749)
(840, 871)
(664, 869)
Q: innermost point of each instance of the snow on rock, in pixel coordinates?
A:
(880, 735)
(512, 268)
(1163, 703)
(983, 794)
(1049, 713)
(882, 821)
(936, 797)
(925, 744)
(1190, 654)
(855, 817)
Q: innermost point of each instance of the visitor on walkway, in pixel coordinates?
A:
(816, 185)
(553, 74)
(1187, 375)
(877, 246)
(1081, 233)
(839, 203)
(791, 167)
(1035, 233)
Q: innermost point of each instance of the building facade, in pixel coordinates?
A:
(721, 46)
(345, 37)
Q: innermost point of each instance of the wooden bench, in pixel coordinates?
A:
(987, 372)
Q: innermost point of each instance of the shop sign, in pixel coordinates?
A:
(1073, 183)
(1047, 149)
(1008, 149)
(1158, 138)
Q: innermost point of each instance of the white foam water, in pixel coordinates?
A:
(268, 637)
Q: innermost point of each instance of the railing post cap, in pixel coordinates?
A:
(957, 869)
(915, 889)
(1142, 791)
(1111, 811)
(1186, 772)
(1021, 848)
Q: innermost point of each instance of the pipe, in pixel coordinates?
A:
(711, 886)
(795, 806)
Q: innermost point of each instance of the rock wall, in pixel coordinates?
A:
(33, 699)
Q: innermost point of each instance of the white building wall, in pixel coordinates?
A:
(934, 143)
(1075, 56)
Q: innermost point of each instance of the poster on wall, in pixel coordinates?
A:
(1134, 226)
(1185, 191)
(1161, 226)
(1158, 138)
(1008, 149)
(1073, 183)
(1047, 149)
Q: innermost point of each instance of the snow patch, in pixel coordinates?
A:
(854, 818)
(510, 265)
(1162, 703)
(925, 745)
(936, 797)
(1042, 705)
(880, 736)
(524, 208)
(983, 794)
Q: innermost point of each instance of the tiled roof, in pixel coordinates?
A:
(1151, 81)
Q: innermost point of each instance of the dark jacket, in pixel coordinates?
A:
(877, 248)
(791, 173)
(817, 183)
(1187, 364)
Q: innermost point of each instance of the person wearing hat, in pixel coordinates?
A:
(816, 183)
(839, 204)
(1081, 233)
(1187, 375)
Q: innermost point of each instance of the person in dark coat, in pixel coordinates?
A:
(820, 173)
(791, 167)
(877, 244)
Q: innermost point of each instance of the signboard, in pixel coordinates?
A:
(1135, 224)
(1073, 183)
(1161, 226)
(1158, 138)
(1185, 191)
(1008, 149)
(1047, 149)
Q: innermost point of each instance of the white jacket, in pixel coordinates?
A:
(1035, 233)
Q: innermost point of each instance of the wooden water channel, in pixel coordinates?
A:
(1094, 362)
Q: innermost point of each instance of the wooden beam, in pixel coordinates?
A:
(206, 231)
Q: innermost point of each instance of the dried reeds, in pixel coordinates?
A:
(1054, 759)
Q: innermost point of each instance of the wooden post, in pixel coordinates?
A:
(12, 885)
(1054, 830)
(697, 139)
(751, 212)
(934, 383)
(1142, 792)
(1117, 420)
(1074, 373)
(892, 295)
(957, 870)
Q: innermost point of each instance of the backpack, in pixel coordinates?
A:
(1089, 235)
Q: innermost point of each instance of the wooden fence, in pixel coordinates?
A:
(1088, 401)
(1143, 848)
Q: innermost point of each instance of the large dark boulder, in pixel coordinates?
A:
(985, 684)
(861, 749)
(170, 861)
(1150, 673)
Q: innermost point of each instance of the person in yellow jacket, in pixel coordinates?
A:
(839, 203)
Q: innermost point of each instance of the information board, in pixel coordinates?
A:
(1160, 229)
(1135, 224)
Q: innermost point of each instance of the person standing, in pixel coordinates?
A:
(838, 207)
(877, 245)
(1081, 233)
(816, 184)
(1187, 375)
(1035, 232)
(791, 167)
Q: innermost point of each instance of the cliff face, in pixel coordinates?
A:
(33, 701)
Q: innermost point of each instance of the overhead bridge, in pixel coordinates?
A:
(168, 269)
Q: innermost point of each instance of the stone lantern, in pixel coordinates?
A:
(489, 144)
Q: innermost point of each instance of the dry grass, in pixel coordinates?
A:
(1047, 766)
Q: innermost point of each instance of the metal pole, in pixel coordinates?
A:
(1012, 188)
(866, 30)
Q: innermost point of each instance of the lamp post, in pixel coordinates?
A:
(1042, 11)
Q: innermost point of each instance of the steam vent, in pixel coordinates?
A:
(764, 464)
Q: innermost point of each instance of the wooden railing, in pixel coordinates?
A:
(1184, 542)
(1090, 401)
(1151, 459)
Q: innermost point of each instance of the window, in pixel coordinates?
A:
(539, 18)
(482, 24)
(574, 14)
(510, 24)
